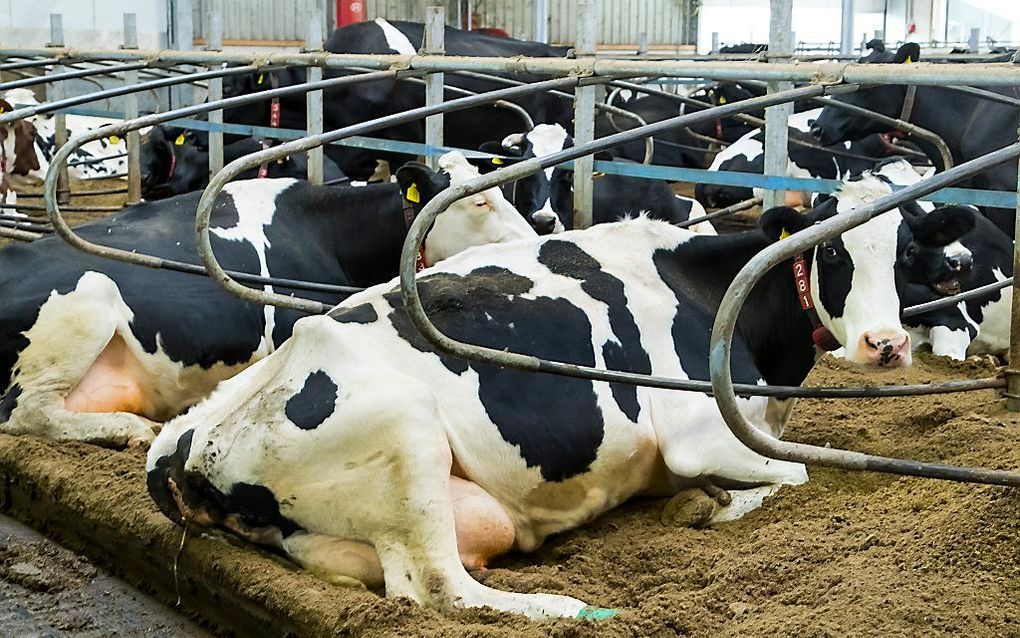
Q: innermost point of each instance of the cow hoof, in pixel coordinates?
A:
(689, 508)
(720, 495)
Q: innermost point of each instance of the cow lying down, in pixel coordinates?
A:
(96, 350)
(364, 454)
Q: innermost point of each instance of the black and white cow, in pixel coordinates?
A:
(467, 128)
(971, 126)
(175, 161)
(676, 146)
(747, 155)
(46, 146)
(547, 197)
(81, 335)
(976, 326)
(363, 453)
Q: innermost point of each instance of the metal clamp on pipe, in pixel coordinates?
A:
(67, 234)
(733, 300)
(238, 166)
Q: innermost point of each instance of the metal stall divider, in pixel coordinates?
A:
(435, 44)
(584, 115)
(134, 140)
(314, 99)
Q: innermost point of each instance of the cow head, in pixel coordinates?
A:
(835, 125)
(483, 218)
(545, 199)
(172, 162)
(853, 276)
(929, 252)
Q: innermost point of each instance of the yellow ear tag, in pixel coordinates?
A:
(114, 139)
(784, 234)
(497, 161)
(908, 60)
(262, 76)
(412, 194)
(180, 140)
(597, 175)
(722, 100)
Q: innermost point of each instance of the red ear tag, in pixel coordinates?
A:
(825, 339)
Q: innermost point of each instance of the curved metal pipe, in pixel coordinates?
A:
(503, 104)
(726, 321)
(141, 259)
(944, 302)
(231, 170)
(70, 75)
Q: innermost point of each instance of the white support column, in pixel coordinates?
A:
(541, 16)
(435, 44)
(846, 42)
(313, 99)
(584, 115)
(777, 118)
(182, 39)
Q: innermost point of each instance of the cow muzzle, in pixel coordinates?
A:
(544, 222)
(884, 348)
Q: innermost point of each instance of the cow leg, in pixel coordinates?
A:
(484, 530)
(341, 562)
(69, 337)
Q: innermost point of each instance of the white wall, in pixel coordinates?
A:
(87, 23)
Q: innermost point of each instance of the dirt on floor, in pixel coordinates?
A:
(844, 555)
(46, 590)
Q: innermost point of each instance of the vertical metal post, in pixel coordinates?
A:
(715, 42)
(215, 43)
(1013, 371)
(313, 99)
(134, 170)
(541, 15)
(55, 92)
(584, 115)
(470, 12)
(846, 31)
(972, 42)
(435, 44)
(642, 43)
(183, 35)
(777, 118)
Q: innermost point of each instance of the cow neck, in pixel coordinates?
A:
(928, 110)
(820, 335)
(274, 122)
(771, 323)
(409, 215)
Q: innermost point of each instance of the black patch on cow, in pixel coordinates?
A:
(835, 276)
(364, 313)
(315, 403)
(257, 507)
(9, 402)
(170, 467)
(555, 421)
(567, 259)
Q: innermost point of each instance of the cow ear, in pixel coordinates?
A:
(5, 106)
(944, 225)
(781, 222)
(909, 52)
(419, 183)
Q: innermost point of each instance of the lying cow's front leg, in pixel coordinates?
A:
(71, 334)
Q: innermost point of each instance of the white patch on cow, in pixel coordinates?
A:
(484, 218)
(395, 39)
(949, 343)
(547, 139)
(802, 121)
(255, 202)
(872, 304)
(993, 332)
(697, 210)
(750, 146)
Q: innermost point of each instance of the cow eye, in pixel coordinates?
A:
(830, 251)
(911, 251)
